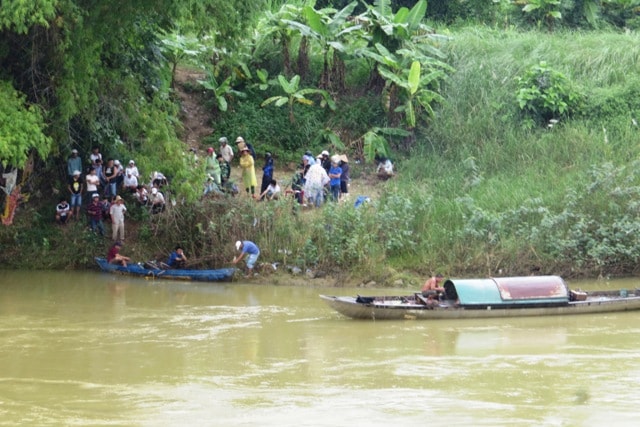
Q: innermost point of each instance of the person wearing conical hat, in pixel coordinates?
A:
(248, 171)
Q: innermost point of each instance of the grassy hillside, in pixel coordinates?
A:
(513, 196)
(485, 190)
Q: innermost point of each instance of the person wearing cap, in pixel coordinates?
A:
(117, 211)
(130, 182)
(158, 179)
(325, 160)
(114, 257)
(177, 258)
(156, 200)
(132, 169)
(63, 211)
(242, 144)
(225, 150)
(94, 212)
(252, 252)
(75, 190)
(212, 167)
(267, 173)
(74, 163)
(248, 171)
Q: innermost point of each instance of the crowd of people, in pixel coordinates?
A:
(317, 178)
(102, 184)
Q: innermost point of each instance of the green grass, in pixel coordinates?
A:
(483, 191)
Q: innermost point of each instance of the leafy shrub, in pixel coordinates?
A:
(545, 94)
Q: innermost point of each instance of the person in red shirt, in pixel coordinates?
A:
(114, 257)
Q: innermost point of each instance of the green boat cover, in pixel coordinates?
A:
(508, 291)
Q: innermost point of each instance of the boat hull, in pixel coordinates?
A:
(218, 275)
(395, 308)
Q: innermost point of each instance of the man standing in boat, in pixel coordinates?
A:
(432, 286)
(252, 251)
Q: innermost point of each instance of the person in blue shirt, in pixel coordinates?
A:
(177, 258)
(252, 251)
(335, 172)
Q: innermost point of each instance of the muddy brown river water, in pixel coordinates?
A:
(87, 348)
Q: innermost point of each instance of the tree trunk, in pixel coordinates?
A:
(286, 57)
(303, 60)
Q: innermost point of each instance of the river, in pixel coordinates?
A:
(87, 348)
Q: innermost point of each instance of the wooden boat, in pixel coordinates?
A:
(489, 298)
(139, 269)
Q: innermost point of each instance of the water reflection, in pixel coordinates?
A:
(87, 348)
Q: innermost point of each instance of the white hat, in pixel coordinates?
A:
(131, 162)
(238, 244)
(223, 140)
(324, 153)
(74, 151)
(116, 162)
(94, 195)
(154, 190)
(76, 173)
(239, 139)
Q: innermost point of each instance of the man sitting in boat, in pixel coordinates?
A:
(114, 257)
(432, 286)
(177, 258)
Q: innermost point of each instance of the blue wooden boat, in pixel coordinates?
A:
(489, 298)
(139, 269)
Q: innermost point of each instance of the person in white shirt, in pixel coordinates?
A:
(272, 192)
(93, 181)
(156, 200)
(226, 150)
(132, 169)
(117, 211)
(130, 182)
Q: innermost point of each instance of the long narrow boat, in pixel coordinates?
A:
(489, 298)
(219, 275)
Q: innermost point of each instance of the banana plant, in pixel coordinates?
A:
(375, 141)
(177, 47)
(293, 94)
(329, 29)
(543, 10)
(327, 137)
(415, 93)
(221, 91)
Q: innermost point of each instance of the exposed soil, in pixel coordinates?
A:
(196, 120)
(195, 117)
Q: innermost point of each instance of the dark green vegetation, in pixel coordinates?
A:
(516, 146)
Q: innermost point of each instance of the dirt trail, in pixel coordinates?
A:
(196, 120)
(194, 115)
